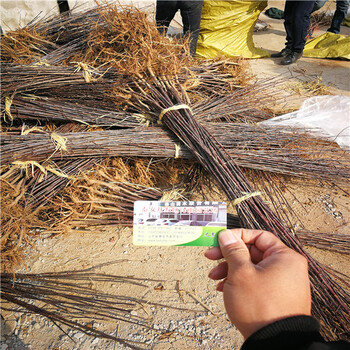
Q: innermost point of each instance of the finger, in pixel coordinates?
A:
(255, 254)
(214, 253)
(219, 272)
(234, 249)
(263, 240)
(220, 286)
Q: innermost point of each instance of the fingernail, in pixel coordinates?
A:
(226, 238)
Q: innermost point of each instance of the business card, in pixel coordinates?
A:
(187, 223)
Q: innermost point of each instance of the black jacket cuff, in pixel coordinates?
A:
(288, 334)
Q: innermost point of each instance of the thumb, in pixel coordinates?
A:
(234, 249)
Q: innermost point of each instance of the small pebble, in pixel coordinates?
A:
(95, 341)
(78, 335)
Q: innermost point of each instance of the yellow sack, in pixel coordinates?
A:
(346, 22)
(328, 45)
(227, 28)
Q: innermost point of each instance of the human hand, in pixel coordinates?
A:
(262, 279)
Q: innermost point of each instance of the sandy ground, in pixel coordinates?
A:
(179, 273)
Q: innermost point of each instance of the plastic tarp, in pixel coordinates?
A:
(322, 116)
(346, 22)
(18, 13)
(328, 45)
(227, 29)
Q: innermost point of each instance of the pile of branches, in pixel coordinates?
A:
(74, 300)
(123, 38)
(92, 192)
(319, 19)
(130, 89)
(334, 242)
(254, 147)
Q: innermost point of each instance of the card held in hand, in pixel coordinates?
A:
(192, 223)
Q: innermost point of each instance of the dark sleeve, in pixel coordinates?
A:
(292, 333)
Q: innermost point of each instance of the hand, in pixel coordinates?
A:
(263, 280)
